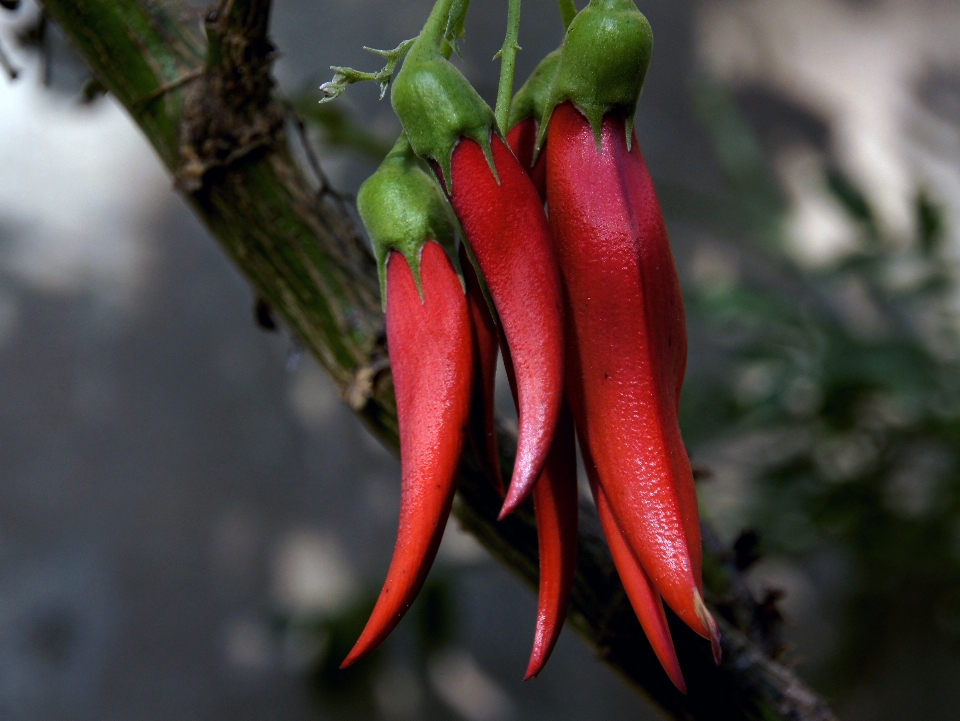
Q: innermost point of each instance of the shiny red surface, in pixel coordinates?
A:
(626, 343)
(431, 357)
(504, 222)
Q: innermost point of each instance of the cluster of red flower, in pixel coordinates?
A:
(567, 271)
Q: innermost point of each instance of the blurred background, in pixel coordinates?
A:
(193, 526)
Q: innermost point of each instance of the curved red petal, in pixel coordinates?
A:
(626, 343)
(431, 356)
(504, 222)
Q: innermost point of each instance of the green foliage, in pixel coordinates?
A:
(844, 382)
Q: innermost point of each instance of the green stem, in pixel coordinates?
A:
(508, 65)
(435, 29)
(568, 11)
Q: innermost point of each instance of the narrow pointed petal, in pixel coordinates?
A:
(643, 597)
(555, 501)
(556, 504)
(431, 355)
(504, 222)
(483, 410)
(626, 346)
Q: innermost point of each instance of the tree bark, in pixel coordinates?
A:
(203, 95)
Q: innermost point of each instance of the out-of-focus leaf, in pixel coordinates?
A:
(929, 224)
(741, 157)
(340, 129)
(855, 421)
(850, 197)
(435, 614)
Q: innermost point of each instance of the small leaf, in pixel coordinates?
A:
(849, 196)
(929, 224)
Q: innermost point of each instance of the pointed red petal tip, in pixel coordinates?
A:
(679, 682)
(707, 618)
(542, 648)
(537, 657)
(360, 650)
(348, 661)
(363, 648)
(517, 494)
(510, 503)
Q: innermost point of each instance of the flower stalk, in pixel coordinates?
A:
(508, 65)
(568, 11)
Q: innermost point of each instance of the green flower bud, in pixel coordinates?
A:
(435, 103)
(402, 207)
(531, 100)
(603, 63)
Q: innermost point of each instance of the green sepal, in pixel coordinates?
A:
(434, 101)
(455, 25)
(603, 63)
(531, 100)
(403, 207)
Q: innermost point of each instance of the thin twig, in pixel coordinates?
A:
(325, 189)
(167, 87)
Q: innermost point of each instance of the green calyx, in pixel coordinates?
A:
(531, 100)
(603, 63)
(434, 101)
(402, 207)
